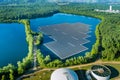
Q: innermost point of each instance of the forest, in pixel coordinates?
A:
(107, 46)
(15, 2)
(107, 32)
(12, 13)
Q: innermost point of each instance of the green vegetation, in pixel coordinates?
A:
(42, 75)
(16, 2)
(98, 50)
(14, 13)
(38, 38)
(40, 58)
(107, 46)
(107, 32)
(115, 68)
(11, 75)
(27, 61)
(8, 72)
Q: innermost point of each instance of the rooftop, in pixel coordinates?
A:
(101, 70)
(68, 38)
(64, 74)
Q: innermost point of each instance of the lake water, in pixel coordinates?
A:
(65, 18)
(13, 46)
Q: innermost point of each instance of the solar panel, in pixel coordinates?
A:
(68, 38)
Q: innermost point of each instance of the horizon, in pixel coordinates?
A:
(55, 1)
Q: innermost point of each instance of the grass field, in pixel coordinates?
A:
(45, 75)
(41, 75)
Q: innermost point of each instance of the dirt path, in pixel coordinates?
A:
(34, 53)
(94, 63)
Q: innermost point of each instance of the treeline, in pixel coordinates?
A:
(45, 61)
(110, 36)
(107, 32)
(13, 2)
(27, 61)
(10, 72)
(15, 12)
(106, 47)
(11, 13)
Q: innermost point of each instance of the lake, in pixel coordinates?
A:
(65, 18)
(13, 45)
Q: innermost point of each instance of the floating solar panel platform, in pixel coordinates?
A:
(68, 38)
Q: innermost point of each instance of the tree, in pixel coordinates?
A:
(11, 76)
(47, 59)
(55, 63)
(20, 67)
(3, 77)
(40, 58)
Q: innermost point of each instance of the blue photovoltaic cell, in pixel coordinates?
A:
(68, 38)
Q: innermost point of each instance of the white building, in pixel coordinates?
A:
(110, 10)
(99, 72)
(64, 74)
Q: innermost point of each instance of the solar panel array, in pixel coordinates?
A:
(68, 38)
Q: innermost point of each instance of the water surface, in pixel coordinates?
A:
(65, 18)
(13, 46)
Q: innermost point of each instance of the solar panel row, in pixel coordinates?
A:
(68, 38)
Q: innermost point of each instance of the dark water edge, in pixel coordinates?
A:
(65, 18)
(13, 45)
